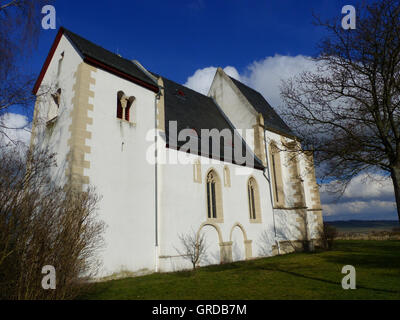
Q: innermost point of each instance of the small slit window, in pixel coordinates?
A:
(60, 62)
(54, 105)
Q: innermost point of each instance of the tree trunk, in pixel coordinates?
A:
(396, 184)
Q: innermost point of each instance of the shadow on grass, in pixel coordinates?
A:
(366, 254)
(296, 274)
(222, 267)
(95, 289)
(185, 273)
(372, 254)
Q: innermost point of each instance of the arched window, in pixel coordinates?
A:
(276, 175)
(254, 200)
(214, 198)
(120, 110)
(124, 105)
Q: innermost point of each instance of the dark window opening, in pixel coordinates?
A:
(275, 181)
(119, 109)
(127, 109)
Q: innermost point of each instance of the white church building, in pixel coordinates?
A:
(141, 140)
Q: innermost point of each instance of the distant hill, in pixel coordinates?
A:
(364, 226)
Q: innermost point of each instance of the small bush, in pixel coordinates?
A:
(328, 234)
(396, 230)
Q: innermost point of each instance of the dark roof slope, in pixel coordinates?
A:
(98, 53)
(193, 110)
(271, 119)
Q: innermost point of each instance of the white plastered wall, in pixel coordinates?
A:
(118, 166)
(122, 174)
(184, 210)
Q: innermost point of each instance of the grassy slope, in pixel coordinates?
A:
(294, 276)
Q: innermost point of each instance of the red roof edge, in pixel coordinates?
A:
(121, 74)
(47, 62)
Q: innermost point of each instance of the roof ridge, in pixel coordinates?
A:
(272, 119)
(95, 44)
(181, 85)
(74, 37)
(248, 87)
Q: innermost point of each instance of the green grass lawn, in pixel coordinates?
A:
(293, 276)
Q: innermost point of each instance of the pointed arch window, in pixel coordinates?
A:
(254, 200)
(214, 197)
(276, 173)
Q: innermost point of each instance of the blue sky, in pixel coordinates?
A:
(174, 38)
(258, 42)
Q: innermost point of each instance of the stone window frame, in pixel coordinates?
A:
(218, 217)
(253, 200)
(227, 177)
(125, 107)
(276, 175)
(197, 171)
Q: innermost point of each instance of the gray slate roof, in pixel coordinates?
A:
(94, 51)
(271, 119)
(193, 110)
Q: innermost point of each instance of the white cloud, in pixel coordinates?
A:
(266, 75)
(15, 127)
(364, 186)
(369, 186)
(366, 197)
(368, 209)
(201, 80)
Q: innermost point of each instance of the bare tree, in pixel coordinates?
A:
(20, 23)
(347, 111)
(43, 224)
(194, 248)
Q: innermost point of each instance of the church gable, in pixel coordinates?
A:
(244, 104)
(101, 58)
(272, 120)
